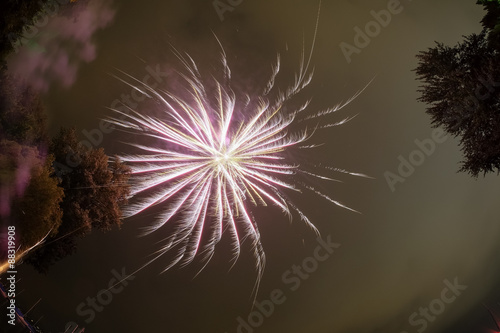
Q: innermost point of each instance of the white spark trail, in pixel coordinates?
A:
(215, 157)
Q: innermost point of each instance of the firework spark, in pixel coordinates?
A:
(216, 157)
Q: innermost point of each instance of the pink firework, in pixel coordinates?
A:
(216, 157)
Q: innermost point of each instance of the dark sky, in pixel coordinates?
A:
(437, 225)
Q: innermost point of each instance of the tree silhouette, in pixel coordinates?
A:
(15, 19)
(22, 113)
(32, 194)
(462, 89)
(94, 190)
(19, 21)
(491, 21)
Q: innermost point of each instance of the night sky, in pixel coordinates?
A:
(409, 242)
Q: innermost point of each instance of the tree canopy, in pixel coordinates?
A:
(94, 190)
(491, 21)
(20, 21)
(22, 114)
(33, 196)
(461, 86)
(48, 186)
(16, 17)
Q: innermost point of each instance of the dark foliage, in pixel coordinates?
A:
(21, 21)
(16, 17)
(462, 91)
(22, 114)
(491, 21)
(33, 195)
(94, 190)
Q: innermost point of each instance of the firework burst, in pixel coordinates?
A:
(216, 157)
